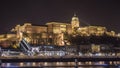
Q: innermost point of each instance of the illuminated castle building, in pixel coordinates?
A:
(75, 22)
(51, 33)
(54, 33)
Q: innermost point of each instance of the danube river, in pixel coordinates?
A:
(87, 64)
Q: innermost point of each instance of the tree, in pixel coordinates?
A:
(104, 39)
(79, 40)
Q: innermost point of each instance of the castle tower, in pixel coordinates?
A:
(75, 22)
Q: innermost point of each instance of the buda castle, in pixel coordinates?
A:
(55, 33)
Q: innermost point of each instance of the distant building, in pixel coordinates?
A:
(91, 30)
(75, 22)
(54, 33)
(7, 39)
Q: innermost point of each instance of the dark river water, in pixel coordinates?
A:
(88, 64)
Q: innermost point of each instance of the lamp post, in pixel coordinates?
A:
(76, 63)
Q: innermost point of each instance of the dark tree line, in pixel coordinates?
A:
(104, 39)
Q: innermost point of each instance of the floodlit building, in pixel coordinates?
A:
(34, 34)
(55, 33)
(75, 22)
(7, 39)
(91, 30)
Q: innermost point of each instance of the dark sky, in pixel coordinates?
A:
(94, 12)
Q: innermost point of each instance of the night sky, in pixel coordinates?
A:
(90, 12)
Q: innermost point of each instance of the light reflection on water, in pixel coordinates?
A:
(88, 64)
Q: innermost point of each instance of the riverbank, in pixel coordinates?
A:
(57, 59)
